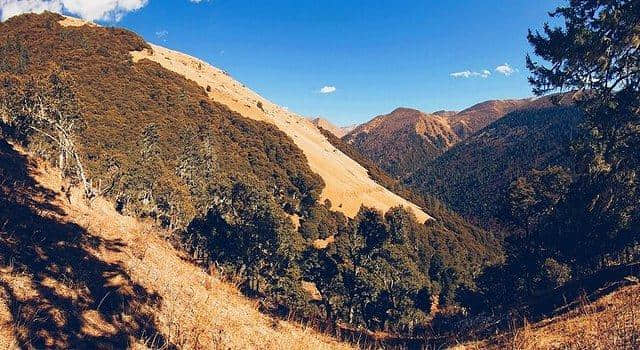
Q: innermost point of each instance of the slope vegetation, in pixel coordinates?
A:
(148, 138)
(403, 139)
(348, 186)
(474, 176)
(74, 275)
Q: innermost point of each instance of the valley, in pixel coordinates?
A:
(149, 199)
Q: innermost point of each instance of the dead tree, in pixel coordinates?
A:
(51, 113)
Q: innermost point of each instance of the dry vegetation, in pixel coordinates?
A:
(610, 322)
(74, 275)
(348, 185)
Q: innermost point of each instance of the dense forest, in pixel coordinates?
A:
(474, 177)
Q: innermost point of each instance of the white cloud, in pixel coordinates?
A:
(12, 8)
(162, 34)
(469, 74)
(90, 10)
(505, 69)
(463, 74)
(328, 90)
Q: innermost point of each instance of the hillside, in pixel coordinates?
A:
(347, 185)
(335, 130)
(74, 275)
(147, 138)
(406, 139)
(239, 183)
(608, 322)
(474, 176)
(402, 140)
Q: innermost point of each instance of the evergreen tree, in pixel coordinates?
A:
(597, 53)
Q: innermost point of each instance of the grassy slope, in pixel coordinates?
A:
(74, 275)
(610, 322)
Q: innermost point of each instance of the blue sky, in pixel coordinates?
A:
(377, 54)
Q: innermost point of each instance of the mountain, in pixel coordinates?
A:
(239, 186)
(476, 117)
(403, 139)
(347, 185)
(473, 177)
(338, 131)
(482, 114)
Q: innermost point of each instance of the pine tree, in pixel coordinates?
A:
(597, 53)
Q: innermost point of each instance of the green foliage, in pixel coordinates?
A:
(375, 275)
(533, 197)
(555, 274)
(149, 138)
(474, 177)
(577, 225)
(596, 51)
(249, 234)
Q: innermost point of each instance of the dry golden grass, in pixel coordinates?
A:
(611, 322)
(348, 184)
(196, 310)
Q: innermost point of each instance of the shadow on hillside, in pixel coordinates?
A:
(58, 293)
(552, 303)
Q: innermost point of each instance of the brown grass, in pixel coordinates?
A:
(348, 185)
(195, 310)
(611, 322)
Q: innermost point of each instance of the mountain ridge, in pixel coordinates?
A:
(402, 138)
(420, 137)
(338, 131)
(348, 186)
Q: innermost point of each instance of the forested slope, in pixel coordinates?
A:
(474, 176)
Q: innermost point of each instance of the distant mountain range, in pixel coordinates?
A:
(404, 140)
(474, 176)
